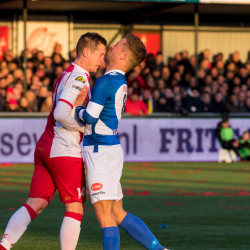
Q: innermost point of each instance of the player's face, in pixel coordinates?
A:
(115, 52)
(97, 58)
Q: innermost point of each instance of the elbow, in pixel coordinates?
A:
(88, 118)
(90, 121)
(57, 115)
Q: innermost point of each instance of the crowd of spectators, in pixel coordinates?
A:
(41, 74)
(223, 85)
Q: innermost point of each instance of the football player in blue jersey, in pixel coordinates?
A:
(102, 152)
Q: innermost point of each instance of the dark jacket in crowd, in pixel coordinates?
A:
(218, 107)
(205, 107)
(235, 108)
(194, 104)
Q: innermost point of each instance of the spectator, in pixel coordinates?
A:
(220, 66)
(43, 93)
(247, 105)
(242, 100)
(169, 96)
(177, 104)
(156, 96)
(159, 60)
(58, 51)
(2, 103)
(163, 105)
(243, 75)
(218, 58)
(135, 106)
(233, 105)
(206, 102)
(235, 59)
(218, 105)
(147, 99)
(205, 65)
(47, 104)
(12, 106)
(165, 74)
(156, 72)
(193, 101)
(24, 105)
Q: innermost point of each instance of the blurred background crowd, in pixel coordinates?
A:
(223, 84)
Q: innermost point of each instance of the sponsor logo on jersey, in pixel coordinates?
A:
(113, 74)
(80, 78)
(96, 186)
(124, 88)
(77, 87)
(98, 193)
(114, 132)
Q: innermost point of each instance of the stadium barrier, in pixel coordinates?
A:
(152, 138)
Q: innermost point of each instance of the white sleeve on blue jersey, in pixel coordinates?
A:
(100, 93)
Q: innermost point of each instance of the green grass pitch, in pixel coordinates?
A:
(205, 206)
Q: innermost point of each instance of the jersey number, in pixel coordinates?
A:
(81, 193)
(124, 103)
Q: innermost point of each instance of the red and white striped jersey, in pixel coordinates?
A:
(63, 138)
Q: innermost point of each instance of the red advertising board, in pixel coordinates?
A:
(151, 40)
(4, 40)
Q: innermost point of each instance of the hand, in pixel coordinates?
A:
(141, 113)
(78, 109)
(236, 143)
(82, 96)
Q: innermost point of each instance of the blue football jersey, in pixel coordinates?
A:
(104, 110)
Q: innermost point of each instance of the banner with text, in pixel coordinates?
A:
(176, 139)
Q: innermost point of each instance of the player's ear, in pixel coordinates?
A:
(123, 56)
(86, 52)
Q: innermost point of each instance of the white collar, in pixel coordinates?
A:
(85, 71)
(115, 70)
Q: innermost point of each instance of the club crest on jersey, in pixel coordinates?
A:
(80, 78)
(76, 87)
(67, 198)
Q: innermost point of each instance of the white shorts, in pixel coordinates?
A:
(104, 171)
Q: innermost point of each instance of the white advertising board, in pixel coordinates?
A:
(177, 139)
(44, 36)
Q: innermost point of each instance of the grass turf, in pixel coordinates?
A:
(204, 205)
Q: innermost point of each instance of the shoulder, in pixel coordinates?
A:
(103, 82)
(78, 75)
(76, 79)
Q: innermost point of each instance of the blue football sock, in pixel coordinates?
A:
(139, 231)
(111, 238)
